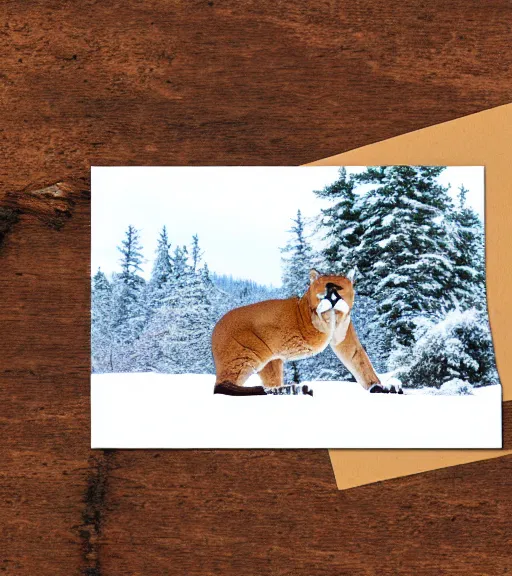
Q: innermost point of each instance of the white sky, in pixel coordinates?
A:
(241, 214)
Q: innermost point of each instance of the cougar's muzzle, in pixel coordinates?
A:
(331, 299)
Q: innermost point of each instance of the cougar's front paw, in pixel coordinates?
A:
(391, 389)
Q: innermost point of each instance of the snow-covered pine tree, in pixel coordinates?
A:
(190, 319)
(342, 226)
(180, 264)
(162, 266)
(404, 255)
(131, 257)
(161, 274)
(101, 324)
(177, 338)
(297, 260)
(152, 350)
(221, 300)
(341, 223)
(197, 253)
(468, 248)
(128, 309)
(157, 289)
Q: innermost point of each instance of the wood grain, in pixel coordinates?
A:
(211, 82)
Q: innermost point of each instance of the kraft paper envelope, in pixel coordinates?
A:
(482, 139)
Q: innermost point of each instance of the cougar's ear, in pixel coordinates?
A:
(313, 275)
(352, 276)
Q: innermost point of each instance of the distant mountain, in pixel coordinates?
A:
(245, 290)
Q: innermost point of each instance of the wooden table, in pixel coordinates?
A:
(211, 82)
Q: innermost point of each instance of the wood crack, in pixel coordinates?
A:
(93, 515)
(8, 217)
(52, 204)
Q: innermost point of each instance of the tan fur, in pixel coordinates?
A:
(354, 357)
(272, 374)
(259, 337)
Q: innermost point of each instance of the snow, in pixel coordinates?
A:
(417, 204)
(383, 243)
(396, 279)
(148, 410)
(386, 221)
(454, 318)
(488, 392)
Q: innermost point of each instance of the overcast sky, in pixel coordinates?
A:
(241, 214)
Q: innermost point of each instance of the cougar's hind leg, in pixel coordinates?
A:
(234, 364)
(272, 374)
(231, 383)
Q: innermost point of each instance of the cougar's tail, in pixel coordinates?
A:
(230, 389)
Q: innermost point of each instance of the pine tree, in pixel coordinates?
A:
(298, 260)
(468, 255)
(178, 338)
(341, 223)
(197, 253)
(153, 348)
(101, 324)
(404, 255)
(205, 274)
(193, 322)
(131, 259)
(180, 264)
(128, 302)
(162, 266)
(161, 274)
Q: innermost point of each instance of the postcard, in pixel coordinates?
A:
(291, 307)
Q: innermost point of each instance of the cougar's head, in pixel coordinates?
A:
(328, 292)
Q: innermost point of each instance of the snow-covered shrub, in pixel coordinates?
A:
(457, 347)
(456, 387)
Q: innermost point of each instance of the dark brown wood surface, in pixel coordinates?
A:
(211, 82)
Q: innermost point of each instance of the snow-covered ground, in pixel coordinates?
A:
(485, 391)
(147, 410)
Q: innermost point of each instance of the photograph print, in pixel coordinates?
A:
(291, 307)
